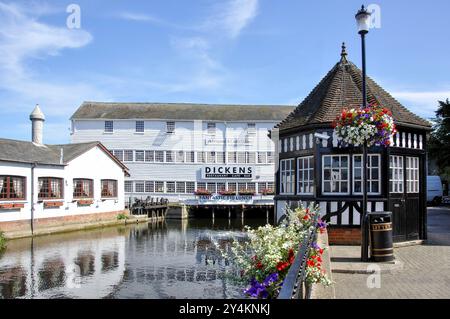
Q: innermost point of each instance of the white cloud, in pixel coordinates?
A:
(423, 103)
(24, 39)
(140, 17)
(233, 16)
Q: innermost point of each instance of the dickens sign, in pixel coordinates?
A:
(230, 172)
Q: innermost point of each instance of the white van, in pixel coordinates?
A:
(434, 190)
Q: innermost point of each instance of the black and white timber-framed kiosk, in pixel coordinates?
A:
(313, 167)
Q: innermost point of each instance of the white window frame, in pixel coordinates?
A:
(211, 128)
(396, 174)
(369, 177)
(251, 128)
(159, 157)
(125, 152)
(129, 186)
(305, 172)
(139, 156)
(340, 170)
(412, 175)
(284, 182)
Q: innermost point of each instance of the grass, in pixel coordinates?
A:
(2, 241)
(122, 217)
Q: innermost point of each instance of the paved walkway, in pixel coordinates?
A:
(425, 272)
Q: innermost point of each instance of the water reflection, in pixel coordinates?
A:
(173, 259)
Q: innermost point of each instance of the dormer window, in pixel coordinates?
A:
(170, 127)
(251, 128)
(139, 126)
(211, 128)
(109, 126)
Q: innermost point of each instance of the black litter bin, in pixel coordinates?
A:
(381, 241)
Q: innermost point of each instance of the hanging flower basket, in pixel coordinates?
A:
(246, 192)
(373, 125)
(227, 193)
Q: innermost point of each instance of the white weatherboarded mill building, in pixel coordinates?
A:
(51, 185)
(180, 151)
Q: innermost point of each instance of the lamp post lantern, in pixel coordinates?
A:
(363, 23)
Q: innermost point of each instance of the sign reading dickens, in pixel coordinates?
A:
(227, 172)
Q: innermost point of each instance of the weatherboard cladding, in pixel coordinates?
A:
(339, 89)
(181, 111)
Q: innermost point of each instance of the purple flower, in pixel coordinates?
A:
(315, 246)
(270, 279)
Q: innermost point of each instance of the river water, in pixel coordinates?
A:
(170, 259)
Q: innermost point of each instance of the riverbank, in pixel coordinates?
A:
(10, 235)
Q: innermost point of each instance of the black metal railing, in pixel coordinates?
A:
(295, 285)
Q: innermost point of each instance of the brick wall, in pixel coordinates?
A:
(344, 236)
(41, 223)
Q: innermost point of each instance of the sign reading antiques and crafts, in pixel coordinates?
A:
(227, 172)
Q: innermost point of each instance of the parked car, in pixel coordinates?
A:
(434, 190)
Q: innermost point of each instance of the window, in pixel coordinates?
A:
(262, 157)
(50, 187)
(372, 175)
(305, 173)
(149, 187)
(180, 157)
(150, 156)
(270, 158)
(261, 187)
(220, 157)
(83, 188)
(128, 155)
(211, 128)
(12, 187)
(139, 187)
(159, 187)
(170, 157)
(201, 157)
(251, 157)
(139, 156)
(242, 186)
(211, 157)
(109, 126)
(271, 186)
(201, 185)
(232, 157)
(190, 187)
(170, 187)
(251, 128)
(287, 176)
(181, 187)
(128, 186)
(241, 158)
(170, 127)
(159, 156)
(396, 174)
(109, 188)
(190, 157)
(119, 155)
(232, 187)
(139, 126)
(412, 174)
(251, 186)
(211, 187)
(335, 174)
(221, 187)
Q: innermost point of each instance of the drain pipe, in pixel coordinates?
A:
(33, 166)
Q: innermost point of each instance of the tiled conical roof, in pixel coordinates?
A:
(341, 88)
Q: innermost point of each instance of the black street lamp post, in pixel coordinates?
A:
(363, 22)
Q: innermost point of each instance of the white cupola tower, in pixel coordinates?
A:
(37, 125)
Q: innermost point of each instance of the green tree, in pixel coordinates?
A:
(439, 144)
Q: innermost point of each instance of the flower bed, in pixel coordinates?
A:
(202, 192)
(247, 192)
(227, 193)
(267, 192)
(263, 262)
(373, 125)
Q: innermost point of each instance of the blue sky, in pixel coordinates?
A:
(228, 51)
